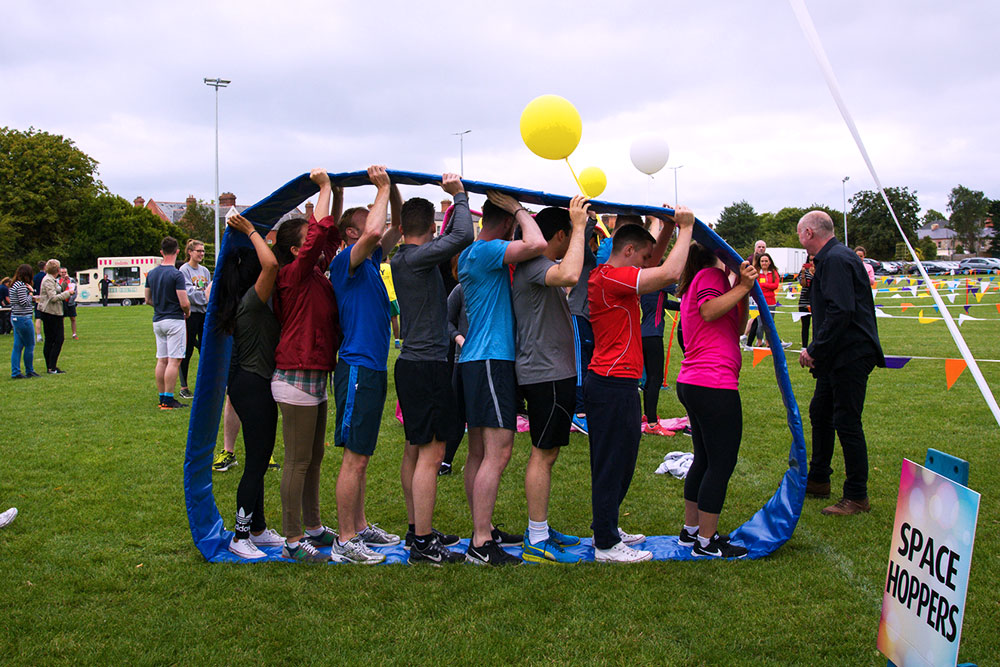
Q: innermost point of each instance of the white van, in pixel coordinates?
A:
(127, 276)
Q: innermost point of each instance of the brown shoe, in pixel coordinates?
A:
(817, 489)
(845, 507)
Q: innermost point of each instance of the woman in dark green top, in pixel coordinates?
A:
(244, 284)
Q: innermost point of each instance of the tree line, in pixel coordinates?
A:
(869, 223)
(52, 204)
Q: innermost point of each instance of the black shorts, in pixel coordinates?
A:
(69, 311)
(490, 393)
(550, 411)
(427, 400)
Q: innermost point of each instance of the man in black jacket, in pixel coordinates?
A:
(844, 350)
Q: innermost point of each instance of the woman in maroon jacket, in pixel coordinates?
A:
(307, 352)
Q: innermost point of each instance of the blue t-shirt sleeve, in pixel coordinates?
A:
(493, 252)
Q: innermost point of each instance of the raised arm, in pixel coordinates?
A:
(322, 179)
(715, 308)
(567, 272)
(371, 236)
(659, 277)
(391, 236)
(268, 263)
(662, 241)
(338, 203)
(532, 243)
(457, 236)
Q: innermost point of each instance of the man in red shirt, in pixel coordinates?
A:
(610, 390)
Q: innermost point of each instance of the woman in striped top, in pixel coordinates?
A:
(21, 305)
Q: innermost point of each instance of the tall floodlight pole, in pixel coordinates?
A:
(843, 183)
(461, 150)
(675, 183)
(217, 83)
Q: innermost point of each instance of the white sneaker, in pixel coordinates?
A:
(7, 517)
(629, 538)
(620, 553)
(786, 344)
(269, 538)
(743, 340)
(246, 549)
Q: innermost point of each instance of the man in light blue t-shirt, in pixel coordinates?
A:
(487, 364)
(360, 378)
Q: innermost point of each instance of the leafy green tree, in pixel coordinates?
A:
(739, 225)
(969, 209)
(110, 226)
(45, 182)
(933, 216)
(994, 216)
(927, 247)
(198, 221)
(869, 223)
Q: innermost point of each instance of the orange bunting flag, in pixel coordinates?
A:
(760, 353)
(904, 306)
(952, 369)
(998, 307)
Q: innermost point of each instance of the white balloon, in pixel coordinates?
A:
(649, 154)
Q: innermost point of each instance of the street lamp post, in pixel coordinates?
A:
(675, 184)
(843, 183)
(217, 83)
(461, 150)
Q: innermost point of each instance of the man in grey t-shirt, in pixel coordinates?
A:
(546, 365)
(422, 374)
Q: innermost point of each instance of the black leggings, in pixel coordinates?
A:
(52, 326)
(451, 447)
(805, 308)
(716, 417)
(652, 359)
(195, 325)
(250, 395)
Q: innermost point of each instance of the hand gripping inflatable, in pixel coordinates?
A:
(764, 532)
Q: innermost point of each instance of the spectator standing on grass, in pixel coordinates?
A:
(861, 252)
(610, 390)
(306, 353)
(844, 351)
(50, 307)
(105, 284)
(197, 283)
(36, 286)
(713, 313)
(21, 305)
(805, 279)
(5, 326)
(66, 282)
(422, 373)
(166, 294)
(245, 285)
(769, 279)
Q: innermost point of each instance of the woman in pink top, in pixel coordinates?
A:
(861, 253)
(713, 314)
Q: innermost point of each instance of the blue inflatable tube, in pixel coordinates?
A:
(764, 532)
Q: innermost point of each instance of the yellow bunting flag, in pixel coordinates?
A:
(925, 320)
(760, 353)
(952, 369)
(979, 295)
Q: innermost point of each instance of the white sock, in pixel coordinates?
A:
(292, 545)
(703, 541)
(315, 532)
(538, 531)
(691, 530)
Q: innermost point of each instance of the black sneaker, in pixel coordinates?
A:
(32, 374)
(435, 554)
(490, 554)
(719, 547)
(56, 371)
(505, 539)
(184, 393)
(172, 404)
(686, 539)
(445, 469)
(445, 540)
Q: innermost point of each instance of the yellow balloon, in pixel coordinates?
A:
(593, 181)
(551, 127)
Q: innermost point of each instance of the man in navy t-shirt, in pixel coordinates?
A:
(166, 294)
(360, 378)
(487, 364)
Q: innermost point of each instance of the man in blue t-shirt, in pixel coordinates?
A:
(166, 294)
(487, 364)
(360, 378)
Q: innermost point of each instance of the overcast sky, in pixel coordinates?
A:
(732, 86)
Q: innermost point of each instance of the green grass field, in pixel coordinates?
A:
(100, 566)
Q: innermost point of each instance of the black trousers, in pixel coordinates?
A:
(195, 324)
(805, 308)
(583, 341)
(614, 422)
(836, 407)
(451, 447)
(5, 325)
(652, 360)
(52, 327)
(250, 395)
(716, 430)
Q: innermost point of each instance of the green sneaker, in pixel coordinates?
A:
(324, 539)
(304, 553)
(224, 461)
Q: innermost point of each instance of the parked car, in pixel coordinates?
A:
(931, 267)
(979, 264)
(875, 264)
(887, 268)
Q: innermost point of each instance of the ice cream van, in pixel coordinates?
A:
(127, 276)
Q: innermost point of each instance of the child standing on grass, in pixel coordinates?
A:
(245, 286)
(712, 314)
(306, 353)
